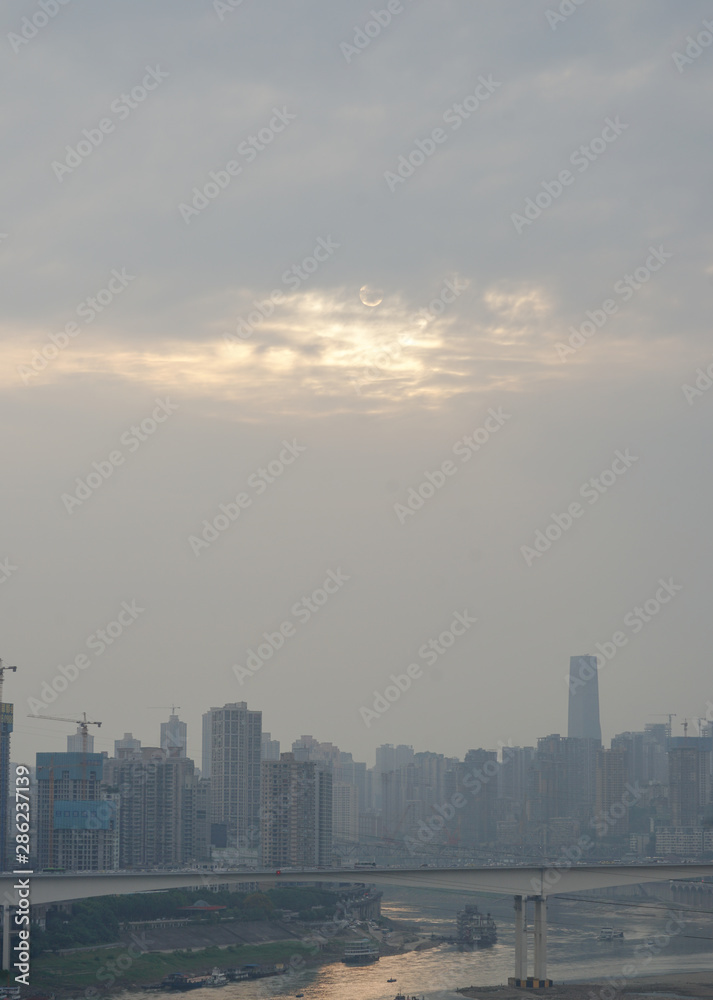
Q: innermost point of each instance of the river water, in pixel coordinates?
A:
(574, 952)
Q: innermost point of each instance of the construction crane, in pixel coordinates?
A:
(83, 724)
(3, 668)
(165, 708)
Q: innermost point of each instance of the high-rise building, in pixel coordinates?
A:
(689, 762)
(657, 737)
(202, 831)
(270, 748)
(157, 798)
(126, 746)
(345, 812)
(77, 826)
(206, 744)
(233, 747)
(646, 755)
(583, 720)
(308, 748)
(612, 813)
(388, 758)
(295, 813)
(6, 722)
(174, 737)
(562, 782)
(477, 781)
(513, 782)
(80, 742)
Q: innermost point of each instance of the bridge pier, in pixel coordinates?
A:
(541, 938)
(520, 939)
(539, 980)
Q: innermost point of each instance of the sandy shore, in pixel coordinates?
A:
(689, 984)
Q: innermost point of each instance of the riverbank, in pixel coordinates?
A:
(106, 971)
(692, 985)
(110, 970)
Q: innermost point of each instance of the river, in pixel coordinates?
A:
(574, 952)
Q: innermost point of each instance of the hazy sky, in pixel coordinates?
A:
(194, 195)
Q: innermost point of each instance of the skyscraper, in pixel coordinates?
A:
(174, 737)
(6, 718)
(583, 720)
(126, 747)
(296, 812)
(232, 745)
(612, 818)
(157, 816)
(79, 742)
(270, 747)
(689, 779)
(76, 821)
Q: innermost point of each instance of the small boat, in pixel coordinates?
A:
(298, 995)
(390, 980)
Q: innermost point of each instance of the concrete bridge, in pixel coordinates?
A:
(523, 884)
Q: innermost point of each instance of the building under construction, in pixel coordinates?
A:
(475, 930)
(76, 823)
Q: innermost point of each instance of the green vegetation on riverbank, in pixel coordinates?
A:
(97, 920)
(105, 970)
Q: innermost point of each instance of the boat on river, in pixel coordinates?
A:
(361, 952)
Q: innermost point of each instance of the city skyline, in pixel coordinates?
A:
(688, 728)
